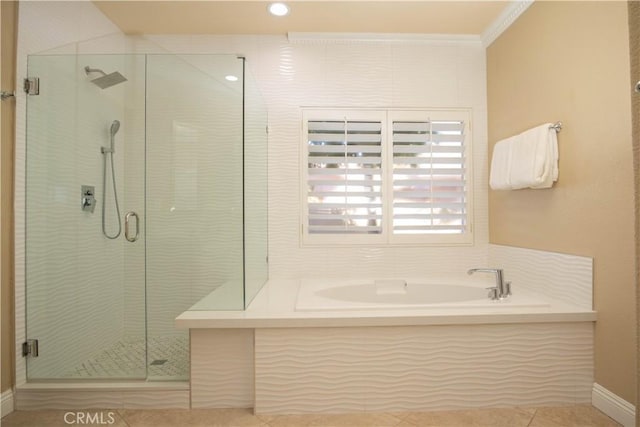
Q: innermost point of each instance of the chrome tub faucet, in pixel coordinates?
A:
(502, 289)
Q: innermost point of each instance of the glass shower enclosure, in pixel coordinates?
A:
(145, 196)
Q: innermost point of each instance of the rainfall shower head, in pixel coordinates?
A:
(107, 80)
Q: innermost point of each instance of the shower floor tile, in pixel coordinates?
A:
(127, 359)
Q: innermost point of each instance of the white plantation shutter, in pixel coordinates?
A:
(386, 176)
(344, 176)
(429, 177)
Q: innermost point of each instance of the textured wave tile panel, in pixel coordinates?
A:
(567, 278)
(422, 368)
(78, 399)
(222, 368)
(169, 399)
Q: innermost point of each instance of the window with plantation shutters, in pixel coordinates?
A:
(344, 175)
(386, 177)
(429, 176)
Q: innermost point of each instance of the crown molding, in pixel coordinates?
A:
(490, 34)
(504, 21)
(338, 38)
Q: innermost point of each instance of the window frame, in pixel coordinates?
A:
(386, 117)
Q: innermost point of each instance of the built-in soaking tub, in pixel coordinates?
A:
(386, 294)
(353, 345)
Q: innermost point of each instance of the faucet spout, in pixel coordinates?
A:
(502, 288)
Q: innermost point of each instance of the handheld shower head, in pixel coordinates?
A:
(115, 127)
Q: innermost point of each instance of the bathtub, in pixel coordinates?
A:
(384, 294)
(331, 346)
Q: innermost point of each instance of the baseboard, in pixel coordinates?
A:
(6, 403)
(613, 405)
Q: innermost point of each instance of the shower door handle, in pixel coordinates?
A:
(127, 216)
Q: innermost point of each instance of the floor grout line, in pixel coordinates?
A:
(535, 411)
(122, 417)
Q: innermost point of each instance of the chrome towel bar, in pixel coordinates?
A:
(557, 126)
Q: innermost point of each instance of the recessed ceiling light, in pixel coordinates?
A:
(231, 78)
(278, 9)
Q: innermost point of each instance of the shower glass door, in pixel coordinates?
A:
(158, 142)
(85, 293)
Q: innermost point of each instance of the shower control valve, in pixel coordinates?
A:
(88, 199)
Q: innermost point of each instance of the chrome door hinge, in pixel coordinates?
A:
(30, 348)
(32, 86)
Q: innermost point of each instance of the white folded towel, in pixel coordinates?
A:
(499, 178)
(532, 160)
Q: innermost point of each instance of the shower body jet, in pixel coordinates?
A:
(106, 80)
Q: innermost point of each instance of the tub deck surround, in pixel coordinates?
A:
(419, 368)
(275, 307)
(282, 360)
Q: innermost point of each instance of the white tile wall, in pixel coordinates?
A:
(222, 368)
(559, 277)
(354, 74)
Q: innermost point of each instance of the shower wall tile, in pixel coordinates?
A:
(60, 26)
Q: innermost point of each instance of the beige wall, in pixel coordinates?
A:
(8, 17)
(634, 42)
(569, 61)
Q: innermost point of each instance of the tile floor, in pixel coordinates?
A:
(567, 416)
(128, 357)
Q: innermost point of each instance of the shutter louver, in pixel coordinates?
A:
(429, 180)
(344, 177)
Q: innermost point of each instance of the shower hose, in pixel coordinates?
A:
(115, 196)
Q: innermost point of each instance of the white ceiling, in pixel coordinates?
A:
(471, 17)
